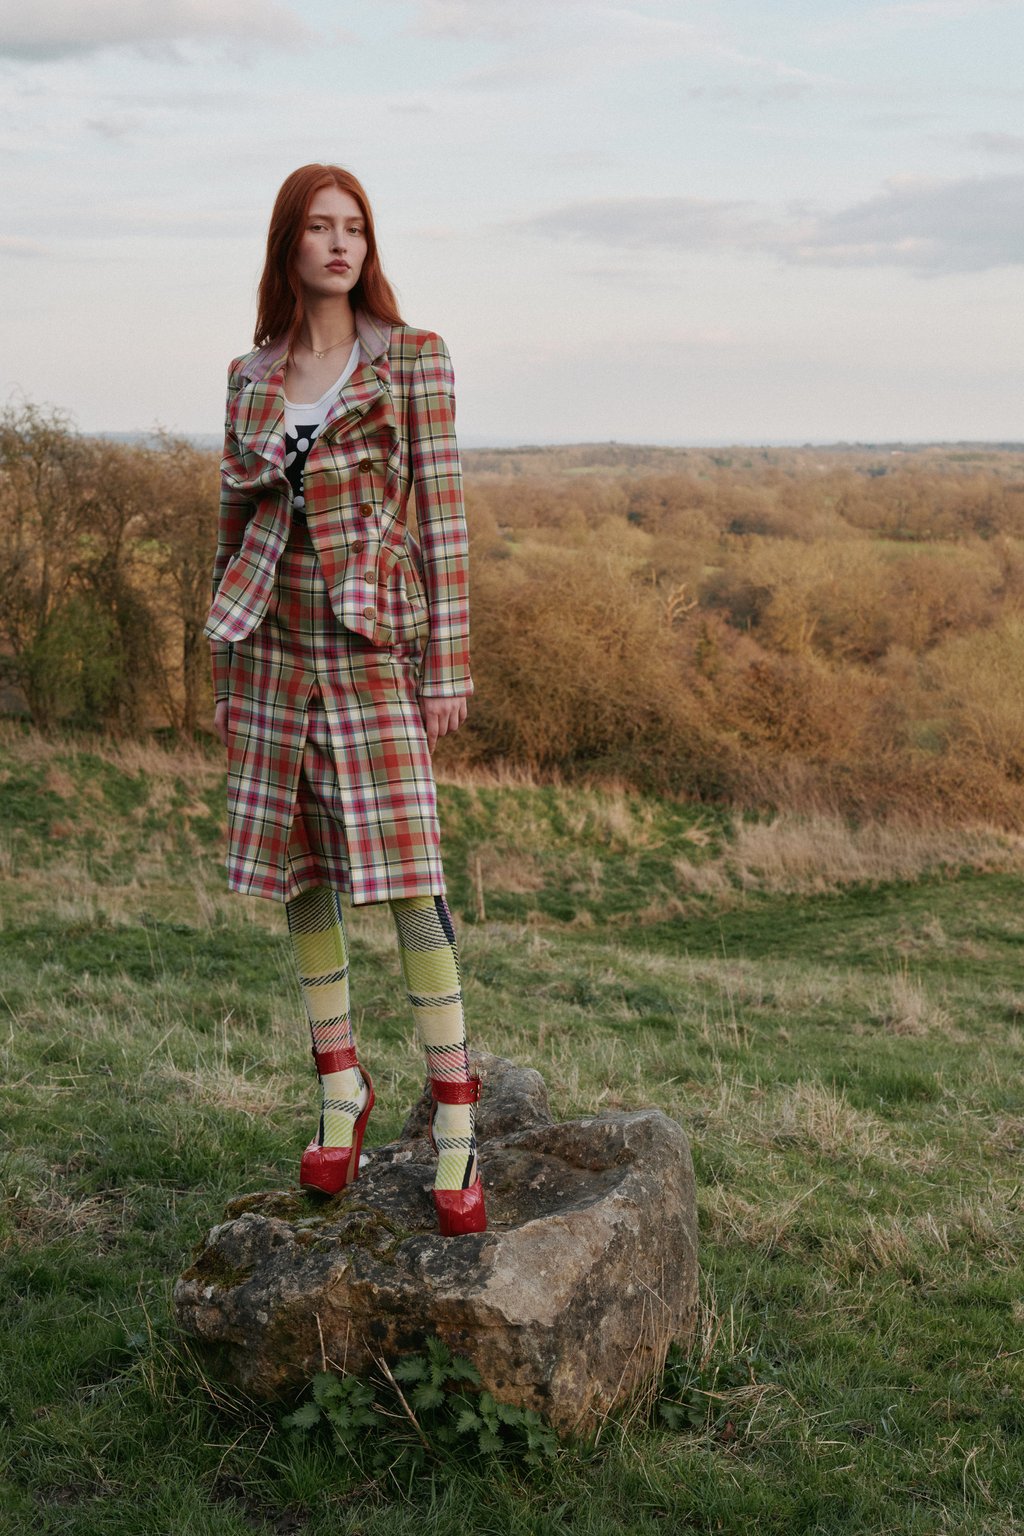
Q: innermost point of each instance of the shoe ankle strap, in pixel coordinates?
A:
(455, 1093)
(335, 1061)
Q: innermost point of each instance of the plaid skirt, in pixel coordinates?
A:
(330, 780)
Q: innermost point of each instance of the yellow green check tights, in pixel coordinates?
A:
(433, 980)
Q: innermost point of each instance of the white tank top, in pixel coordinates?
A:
(302, 423)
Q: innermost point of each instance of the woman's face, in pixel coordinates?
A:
(332, 247)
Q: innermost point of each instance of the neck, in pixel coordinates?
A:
(326, 321)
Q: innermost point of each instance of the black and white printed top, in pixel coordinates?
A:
(302, 424)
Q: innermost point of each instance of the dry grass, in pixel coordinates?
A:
(516, 871)
(987, 1229)
(218, 1086)
(41, 1214)
(768, 1225)
(817, 853)
(903, 1007)
(143, 756)
(819, 1119)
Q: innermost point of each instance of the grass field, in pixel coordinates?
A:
(835, 1017)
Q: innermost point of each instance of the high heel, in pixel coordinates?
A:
(329, 1169)
(458, 1210)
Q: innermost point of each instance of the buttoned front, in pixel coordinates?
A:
(327, 626)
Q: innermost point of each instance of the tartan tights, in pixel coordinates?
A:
(433, 981)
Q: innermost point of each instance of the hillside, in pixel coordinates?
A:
(833, 1015)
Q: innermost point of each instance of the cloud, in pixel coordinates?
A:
(899, 119)
(932, 227)
(537, 41)
(968, 225)
(496, 19)
(55, 29)
(879, 21)
(12, 245)
(938, 10)
(997, 143)
(755, 95)
(114, 127)
(688, 223)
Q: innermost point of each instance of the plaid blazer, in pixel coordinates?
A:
(390, 432)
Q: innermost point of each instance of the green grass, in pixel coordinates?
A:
(848, 1067)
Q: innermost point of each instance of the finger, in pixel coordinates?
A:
(430, 722)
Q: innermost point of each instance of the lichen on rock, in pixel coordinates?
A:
(566, 1304)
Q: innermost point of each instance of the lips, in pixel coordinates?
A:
(338, 266)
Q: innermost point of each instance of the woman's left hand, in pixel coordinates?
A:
(441, 717)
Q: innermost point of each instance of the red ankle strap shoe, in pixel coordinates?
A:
(329, 1169)
(458, 1210)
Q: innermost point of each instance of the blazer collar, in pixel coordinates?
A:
(258, 408)
(374, 339)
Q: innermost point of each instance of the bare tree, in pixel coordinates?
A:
(181, 531)
(46, 489)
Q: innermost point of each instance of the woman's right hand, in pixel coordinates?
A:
(220, 721)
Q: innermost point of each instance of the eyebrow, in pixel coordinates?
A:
(349, 218)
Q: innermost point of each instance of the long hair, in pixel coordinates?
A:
(280, 308)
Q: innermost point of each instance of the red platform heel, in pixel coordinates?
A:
(458, 1210)
(329, 1169)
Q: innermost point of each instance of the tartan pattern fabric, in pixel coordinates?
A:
(330, 780)
(319, 946)
(433, 980)
(389, 437)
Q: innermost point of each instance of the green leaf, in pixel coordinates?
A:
(303, 1418)
(489, 1442)
(327, 1387)
(438, 1352)
(467, 1420)
(508, 1413)
(463, 1370)
(426, 1395)
(411, 1368)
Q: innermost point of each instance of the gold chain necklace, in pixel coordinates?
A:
(332, 348)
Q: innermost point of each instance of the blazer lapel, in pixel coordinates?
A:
(369, 384)
(259, 405)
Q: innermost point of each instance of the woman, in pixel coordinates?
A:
(340, 651)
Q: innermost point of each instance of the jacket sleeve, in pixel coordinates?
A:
(234, 514)
(441, 522)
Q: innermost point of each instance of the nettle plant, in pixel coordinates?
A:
(425, 1407)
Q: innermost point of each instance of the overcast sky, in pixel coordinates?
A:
(665, 221)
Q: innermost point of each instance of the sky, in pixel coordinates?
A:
(665, 221)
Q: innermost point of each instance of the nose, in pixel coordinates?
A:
(338, 240)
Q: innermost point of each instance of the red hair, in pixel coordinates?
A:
(280, 307)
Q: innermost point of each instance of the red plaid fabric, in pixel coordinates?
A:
(329, 774)
(390, 435)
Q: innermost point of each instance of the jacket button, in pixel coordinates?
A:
(370, 576)
(358, 546)
(366, 509)
(365, 464)
(369, 613)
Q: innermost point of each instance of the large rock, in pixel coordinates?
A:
(566, 1304)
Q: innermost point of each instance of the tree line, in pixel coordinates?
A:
(841, 626)
(106, 553)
